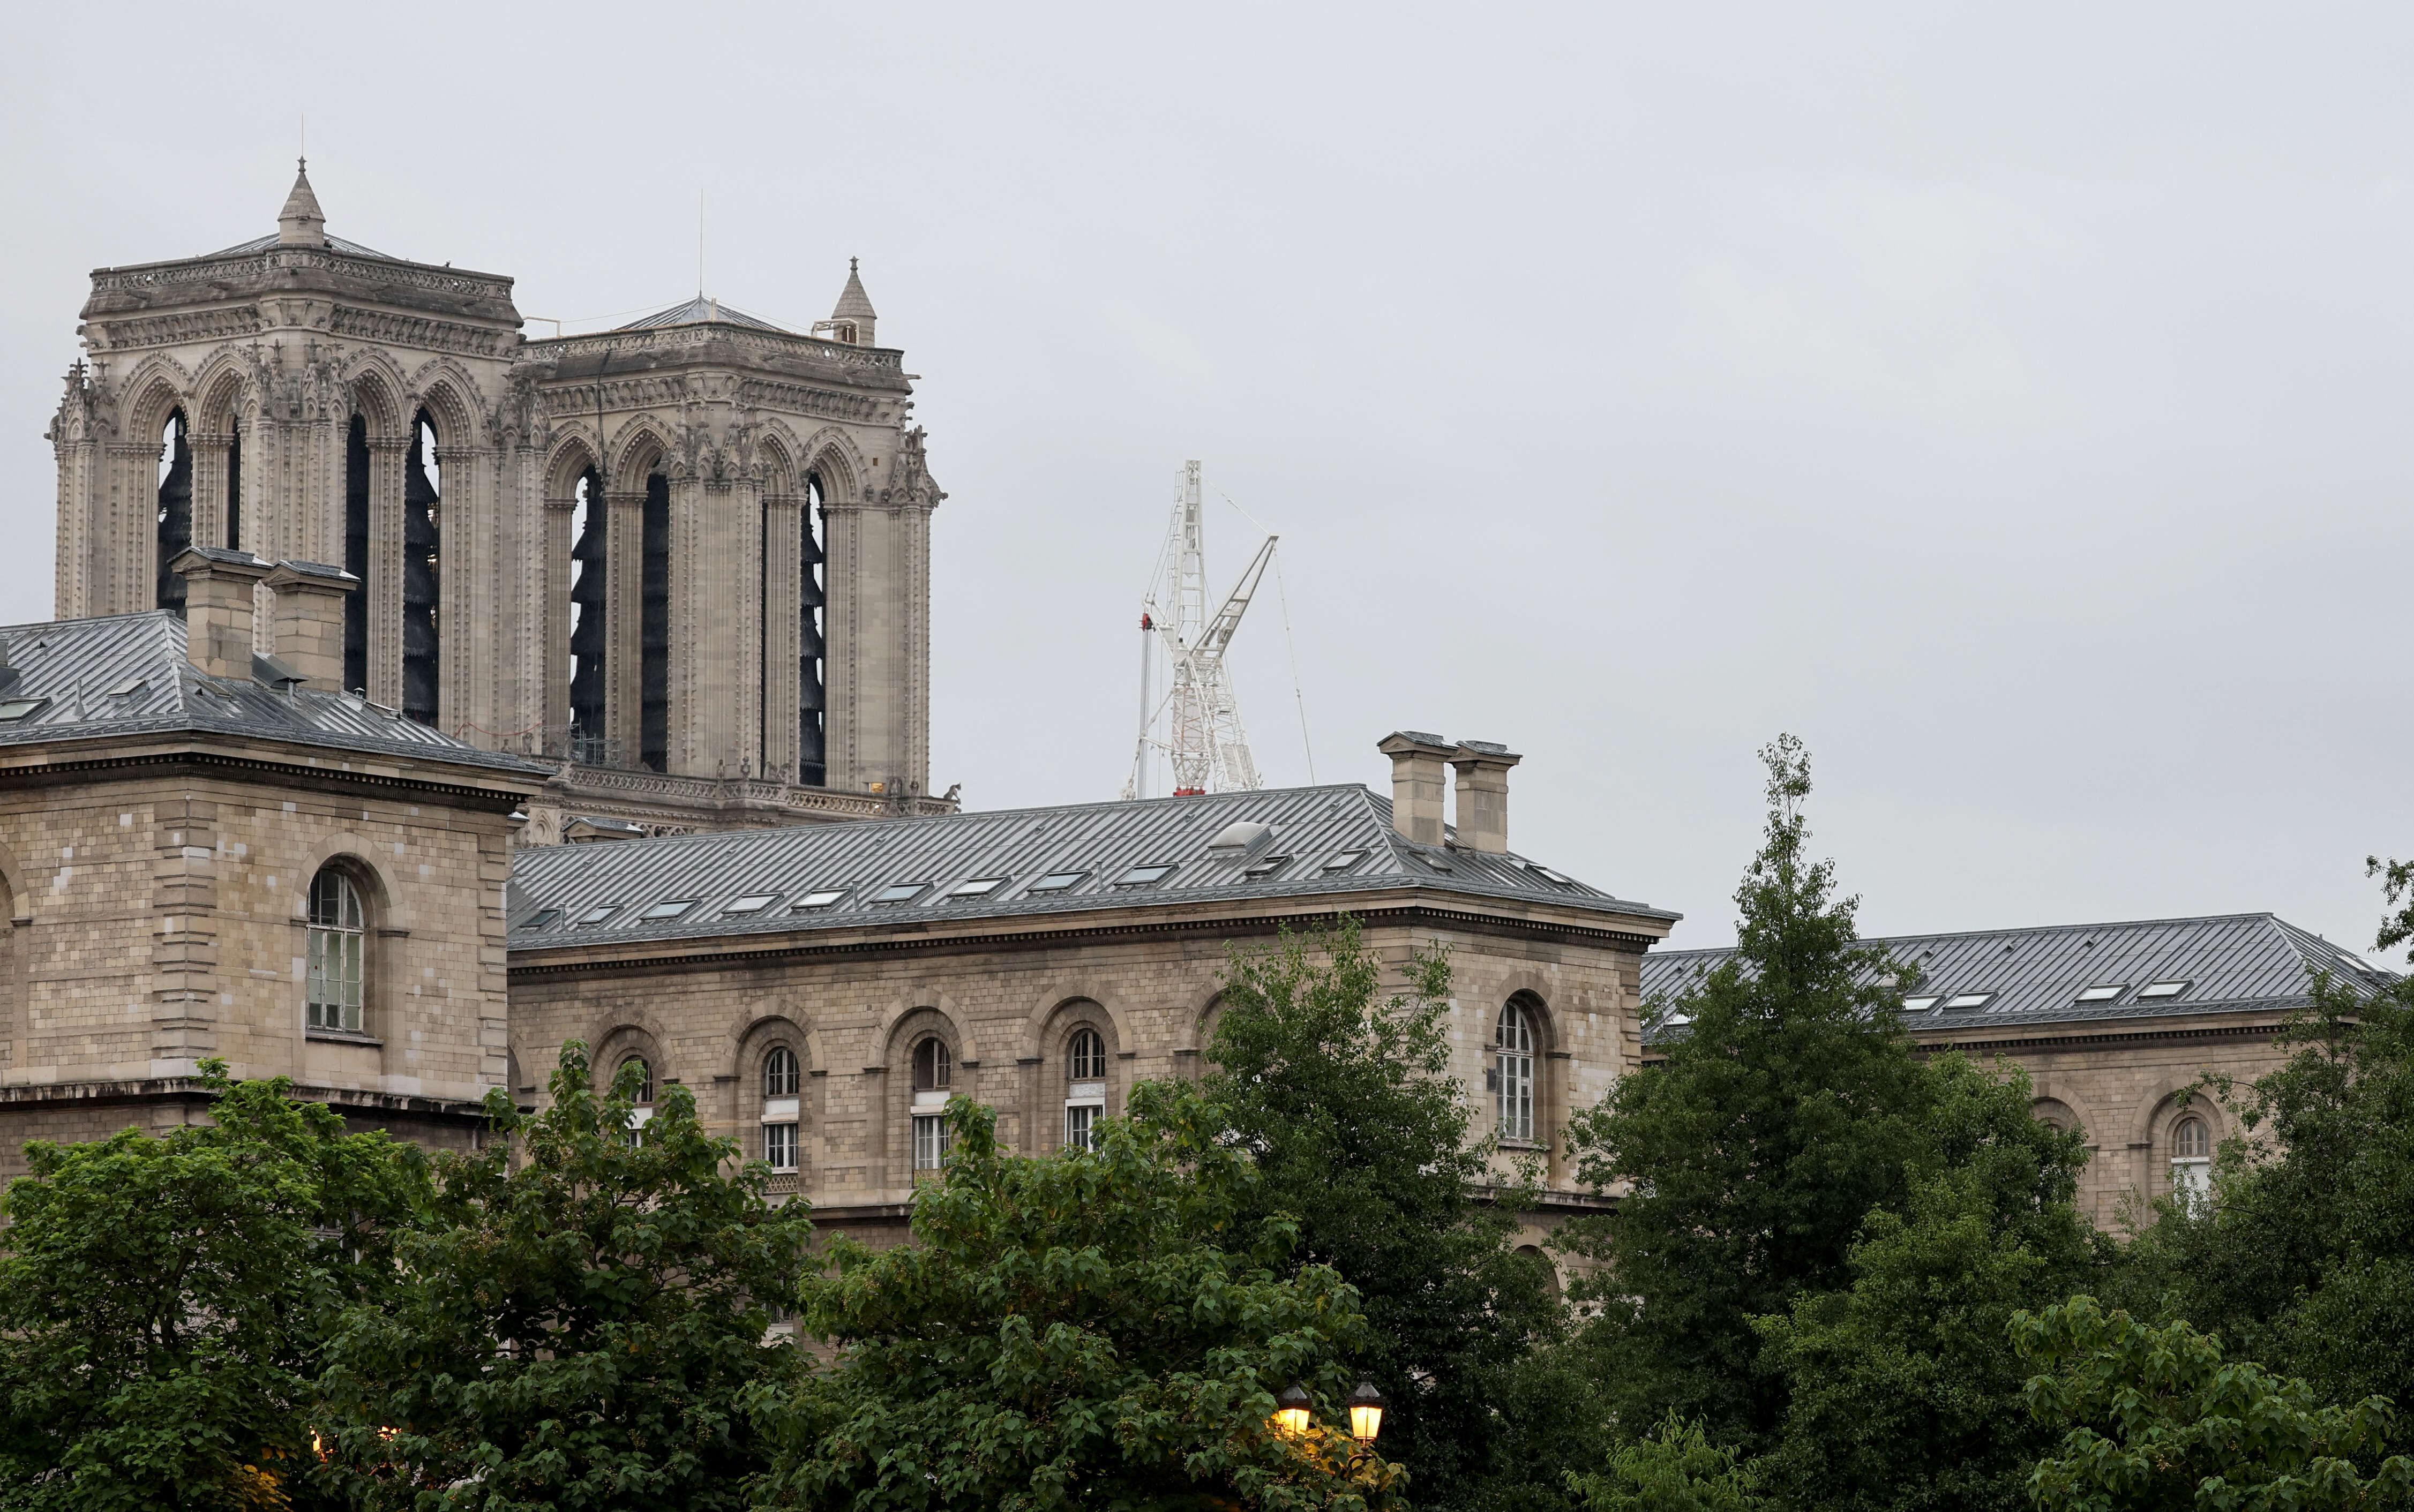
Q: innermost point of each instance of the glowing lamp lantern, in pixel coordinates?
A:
(1291, 1411)
(1366, 1407)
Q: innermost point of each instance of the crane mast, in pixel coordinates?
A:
(1197, 723)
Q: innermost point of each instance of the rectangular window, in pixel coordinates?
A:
(1267, 867)
(932, 1137)
(1968, 999)
(334, 978)
(1147, 876)
(1920, 1005)
(669, 908)
(1343, 861)
(1056, 881)
(900, 892)
(2103, 994)
(544, 919)
(1081, 1125)
(751, 903)
(1513, 1078)
(780, 1145)
(596, 915)
(821, 899)
(979, 887)
(2161, 989)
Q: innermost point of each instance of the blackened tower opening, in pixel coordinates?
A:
(356, 555)
(587, 609)
(173, 520)
(422, 596)
(654, 628)
(235, 489)
(813, 594)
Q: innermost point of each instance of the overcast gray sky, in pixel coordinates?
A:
(2009, 400)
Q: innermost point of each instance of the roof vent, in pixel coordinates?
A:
(1240, 840)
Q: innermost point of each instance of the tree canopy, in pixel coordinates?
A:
(1343, 1091)
(164, 1300)
(1103, 1329)
(575, 1320)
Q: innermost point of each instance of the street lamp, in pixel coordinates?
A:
(1291, 1411)
(1366, 1407)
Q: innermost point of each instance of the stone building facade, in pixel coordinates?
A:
(687, 560)
(1044, 961)
(172, 806)
(2117, 1025)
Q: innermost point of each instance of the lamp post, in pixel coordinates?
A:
(1295, 1409)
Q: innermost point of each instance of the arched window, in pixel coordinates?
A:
(932, 1066)
(174, 517)
(2191, 1159)
(779, 1108)
(933, 1069)
(1086, 1056)
(336, 949)
(645, 1077)
(1085, 1088)
(1513, 1072)
(780, 1073)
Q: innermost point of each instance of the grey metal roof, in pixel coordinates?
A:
(2230, 963)
(128, 674)
(702, 311)
(334, 243)
(1314, 827)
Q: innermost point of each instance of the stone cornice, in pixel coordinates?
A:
(165, 1089)
(179, 757)
(722, 952)
(684, 343)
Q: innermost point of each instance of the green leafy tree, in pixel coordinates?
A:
(1344, 1091)
(1789, 1110)
(2305, 1257)
(163, 1301)
(1673, 1468)
(1092, 1330)
(1903, 1391)
(577, 1325)
(2154, 1418)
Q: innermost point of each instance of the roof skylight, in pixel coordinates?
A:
(1921, 1005)
(669, 908)
(1145, 876)
(904, 892)
(543, 919)
(1968, 999)
(596, 915)
(1438, 863)
(2161, 989)
(1056, 881)
(1342, 861)
(18, 709)
(2104, 993)
(820, 899)
(979, 887)
(751, 903)
(1265, 866)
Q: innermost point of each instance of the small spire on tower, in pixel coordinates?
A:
(855, 307)
(301, 223)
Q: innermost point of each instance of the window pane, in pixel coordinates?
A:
(931, 1139)
(1080, 1124)
(780, 1145)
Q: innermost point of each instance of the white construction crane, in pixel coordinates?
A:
(1201, 734)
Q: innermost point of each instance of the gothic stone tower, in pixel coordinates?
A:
(687, 558)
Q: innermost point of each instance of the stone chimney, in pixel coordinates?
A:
(1418, 782)
(1483, 794)
(310, 621)
(217, 608)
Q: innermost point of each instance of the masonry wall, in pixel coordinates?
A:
(158, 919)
(2126, 1086)
(1009, 1017)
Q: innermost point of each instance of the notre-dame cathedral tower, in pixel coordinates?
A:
(687, 558)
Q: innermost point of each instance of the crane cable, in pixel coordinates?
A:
(1282, 596)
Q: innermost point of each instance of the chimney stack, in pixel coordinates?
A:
(217, 608)
(1483, 794)
(1418, 780)
(310, 621)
